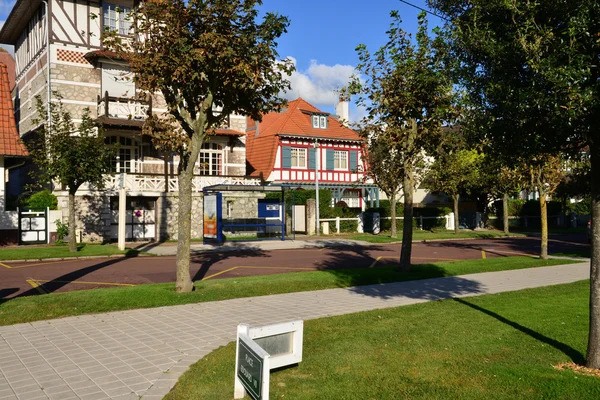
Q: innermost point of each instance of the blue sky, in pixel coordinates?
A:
(322, 38)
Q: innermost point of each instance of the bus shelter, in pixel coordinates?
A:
(247, 212)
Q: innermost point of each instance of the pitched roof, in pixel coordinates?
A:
(296, 120)
(10, 142)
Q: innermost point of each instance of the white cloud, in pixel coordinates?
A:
(318, 83)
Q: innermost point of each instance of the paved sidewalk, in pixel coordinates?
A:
(124, 355)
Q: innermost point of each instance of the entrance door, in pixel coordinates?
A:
(140, 218)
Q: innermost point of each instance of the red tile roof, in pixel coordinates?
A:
(10, 142)
(227, 132)
(296, 120)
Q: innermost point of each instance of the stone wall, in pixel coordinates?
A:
(92, 213)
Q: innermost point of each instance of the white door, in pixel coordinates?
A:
(300, 218)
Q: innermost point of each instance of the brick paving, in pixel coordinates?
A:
(142, 353)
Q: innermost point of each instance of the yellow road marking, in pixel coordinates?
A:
(90, 283)
(5, 266)
(483, 254)
(377, 260)
(37, 286)
(218, 273)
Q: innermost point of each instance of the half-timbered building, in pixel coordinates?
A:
(58, 53)
(304, 146)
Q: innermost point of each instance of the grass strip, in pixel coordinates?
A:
(501, 346)
(62, 251)
(56, 305)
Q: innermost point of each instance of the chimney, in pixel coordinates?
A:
(341, 109)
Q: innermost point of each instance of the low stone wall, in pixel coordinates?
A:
(93, 213)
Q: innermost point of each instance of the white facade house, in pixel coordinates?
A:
(58, 50)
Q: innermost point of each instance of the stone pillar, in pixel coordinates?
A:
(311, 216)
(2, 185)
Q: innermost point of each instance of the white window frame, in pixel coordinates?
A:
(340, 160)
(298, 157)
(210, 159)
(114, 17)
(315, 121)
(323, 122)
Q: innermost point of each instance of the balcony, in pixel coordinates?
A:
(153, 183)
(123, 111)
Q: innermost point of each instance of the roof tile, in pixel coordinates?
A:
(10, 142)
(261, 150)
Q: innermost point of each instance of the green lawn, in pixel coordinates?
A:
(384, 237)
(62, 251)
(34, 308)
(501, 346)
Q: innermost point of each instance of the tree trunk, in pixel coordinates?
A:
(505, 213)
(393, 215)
(407, 233)
(455, 201)
(593, 349)
(72, 224)
(184, 224)
(544, 220)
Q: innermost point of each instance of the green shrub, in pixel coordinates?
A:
(583, 207)
(532, 208)
(62, 230)
(41, 200)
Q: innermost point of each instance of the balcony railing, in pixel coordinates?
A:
(160, 183)
(124, 108)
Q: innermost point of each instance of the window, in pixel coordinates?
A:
(298, 158)
(315, 121)
(126, 154)
(340, 160)
(116, 18)
(210, 158)
(319, 121)
(323, 122)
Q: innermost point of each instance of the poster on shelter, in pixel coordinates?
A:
(210, 216)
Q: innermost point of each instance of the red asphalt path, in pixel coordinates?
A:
(20, 278)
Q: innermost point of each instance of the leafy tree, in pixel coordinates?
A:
(385, 160)
(454, 173)
(407, 94)
(544, 175)
(202, 55)
(532, 66)
(69, 154)
(501, 181)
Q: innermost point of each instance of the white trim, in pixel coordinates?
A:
(73, 83)
(83, 103)
(235, 165)
(71, 64)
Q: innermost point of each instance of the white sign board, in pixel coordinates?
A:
(261, 349)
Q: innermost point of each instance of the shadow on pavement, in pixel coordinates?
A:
(63, 280)
(575, 355)
(207, 258)
(7, 292)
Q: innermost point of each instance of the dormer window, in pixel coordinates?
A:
(319, 121)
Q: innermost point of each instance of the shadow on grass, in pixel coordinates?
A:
(575, 355)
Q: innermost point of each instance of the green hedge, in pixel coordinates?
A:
(530, 208)
(41, 200)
